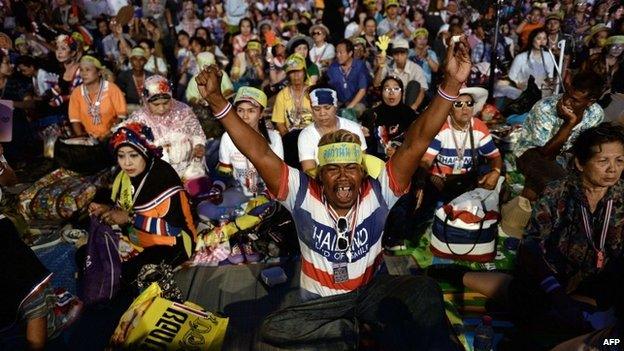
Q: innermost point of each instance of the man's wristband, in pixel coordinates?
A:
(223, 112)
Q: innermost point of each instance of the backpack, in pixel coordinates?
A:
(102, 267)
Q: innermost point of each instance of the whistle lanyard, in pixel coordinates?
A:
(600, 258)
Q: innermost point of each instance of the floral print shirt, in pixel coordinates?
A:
(542, 123)
(557, 224)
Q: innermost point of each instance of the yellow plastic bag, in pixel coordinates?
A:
(154, 323)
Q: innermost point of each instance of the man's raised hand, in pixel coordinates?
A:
(209, 83)
(458, 62)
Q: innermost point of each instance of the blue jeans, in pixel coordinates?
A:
(405, 313)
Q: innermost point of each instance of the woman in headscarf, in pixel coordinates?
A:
(176, 128)
(98, 104)
(148, 202)
(387, 123)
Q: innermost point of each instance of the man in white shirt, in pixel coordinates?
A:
(324, 103)
(410, 73)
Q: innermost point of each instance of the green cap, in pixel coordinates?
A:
(253, 95)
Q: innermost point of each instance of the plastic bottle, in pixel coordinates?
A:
(484, 335)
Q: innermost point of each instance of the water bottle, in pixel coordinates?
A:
(484, 335)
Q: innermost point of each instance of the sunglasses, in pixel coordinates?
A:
(392, 90)
(460, 104)
(342, 240)
(317, 33)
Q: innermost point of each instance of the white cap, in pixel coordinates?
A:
(400, 43)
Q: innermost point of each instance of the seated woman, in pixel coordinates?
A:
(452, 157)
(205, 59)
(301, 45)
(292, 110)
(324, 103)
(175, 127)
(533, 62)
(606, 64)
(386, 124)
(97, 105)
(249, 103)
(148, 202)
(570, 262)
(247, 68)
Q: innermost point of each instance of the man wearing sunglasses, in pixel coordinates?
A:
(340, 216)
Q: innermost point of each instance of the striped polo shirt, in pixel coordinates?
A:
(442, 151)
(302, 196)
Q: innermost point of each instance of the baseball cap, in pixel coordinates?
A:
(294, 62)
(400, 44)
(252, 95)
(391, 3)
(138, 51)
(555, 16)
(420, 32)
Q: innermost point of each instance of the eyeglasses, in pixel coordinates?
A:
(342, 240)
(317, 33)
(460, 104)
(392, 90)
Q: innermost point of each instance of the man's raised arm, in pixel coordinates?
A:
(248, 141)
(407, 158)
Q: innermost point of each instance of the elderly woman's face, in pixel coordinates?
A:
(159, 107)
(605, 167)
(131, 161)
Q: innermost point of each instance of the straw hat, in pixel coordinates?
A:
(515, 216)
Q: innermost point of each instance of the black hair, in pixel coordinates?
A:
(297, 43)
(149, 42)
(587, 82)
(589, 141)
(251, 23)
(368, 18)
(201, 41)
(476, 24)
(183, 32)
(394, 78)
(26, 60)
(534, 33)
(347, 43)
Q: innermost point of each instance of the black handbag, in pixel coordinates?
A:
(84, 159)
(525, 101)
